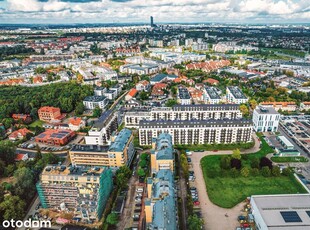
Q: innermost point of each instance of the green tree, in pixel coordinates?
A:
(79, 109)
(112, 219)
(143, 163)
(171, 102)
(225, 162)
(236, 154)
(144, 95)
(194, 222)
(255, 163)
(275, 171)
(286, 171)
(252, 103)
(255, 171)
(97, 112)
(24, 185)
(13, 208)
(7, 152)
(266, 171)
(2, 168)
(244, 110)
(245, 172)
(141, 172)
(234, 173)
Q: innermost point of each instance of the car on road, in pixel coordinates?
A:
(193, 189)
(196, 203)
(138, 205)
(189, 160)
(138, 199)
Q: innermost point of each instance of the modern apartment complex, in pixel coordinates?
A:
(197, 131)
(182, 112)
(211, 95)
(91, 102)
(161, 203)
(102, 130)
(265, 119)
(82, 191)
(119, 153)
(235, 95)
(184, 97)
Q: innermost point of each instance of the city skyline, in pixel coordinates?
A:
(164, 11)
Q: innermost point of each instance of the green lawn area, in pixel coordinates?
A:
(289, 159)
(36, 123)
(234, 190)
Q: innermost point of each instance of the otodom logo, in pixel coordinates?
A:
(26, 224)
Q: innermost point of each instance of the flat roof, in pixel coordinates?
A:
(274, 210)
(236, 92)
(265, 110)
(95, 98)
(285, 141)
(212, 92)
(90, 148)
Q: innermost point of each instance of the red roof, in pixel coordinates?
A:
(20, 132)
(75, 121)
(212, 81)
(132, 92)
(49, 109)
(19, 157)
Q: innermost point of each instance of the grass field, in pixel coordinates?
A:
(36, 123)
(235, 190)
(289, 159)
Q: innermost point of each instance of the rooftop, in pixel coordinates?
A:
(95, 98)
(121, 140)
(212, 92)
(236, 92)
(72, 170)
(183, 93)
(90, 148)
(265, 110)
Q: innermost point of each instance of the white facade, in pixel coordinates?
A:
(265, 119)
(211, 95)
(235, 95)
(92, 102)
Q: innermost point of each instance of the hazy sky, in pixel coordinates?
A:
(107, 11)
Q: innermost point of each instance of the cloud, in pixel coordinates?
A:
(162, 10)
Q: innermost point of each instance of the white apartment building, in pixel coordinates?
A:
(182, 112)
(211, 95)
(192, 132)
(91, 102)
(235, 95)
(102, 130)
(265, 119)
(184, 97)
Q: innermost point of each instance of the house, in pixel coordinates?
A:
(23, 117)
(19, 134)
(284, 106)
(158, 89)
(196, 94)
(49, 114)
(131, 94)
(76, 123)
(37, 80)
(143, 86)
(211, 81)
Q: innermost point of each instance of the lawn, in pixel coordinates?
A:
(36, 123)
(289, 159)
(235, 190)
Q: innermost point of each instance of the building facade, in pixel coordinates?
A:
(235, 95)
(91, 102)
(191, 132)
(265, 119)
(49, 114)
(211, 95)
(81, 191)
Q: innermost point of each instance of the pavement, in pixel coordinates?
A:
(214, 216)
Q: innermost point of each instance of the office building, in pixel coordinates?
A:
(182, 112)
(211, 95)
(55, 137)
(265, 119)
(102, 130)
(192, 132)
(91, 102)
(235, 95)
(285, 212)
(81, 191)
(152, 21)
(119, 153)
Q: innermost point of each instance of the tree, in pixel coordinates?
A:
(276, 171)
(194, 222)
(286, 171)
(144, 96)
(171, 103)
(235, 163)
(143, 163)
(266, 171)
(122, 176)
(245, 171)
(255, 163)
(7, 152)
(141, 172)
(2, 168)
(234, 173)
(255, 171)
(97, 112)
(225, 162)
(144, 156)
(244, 110)
(24, 185)
(112, 219)
(264, 161)
(252, 103)
(13, 208)
(236, 154)
(38, 153)
(79, 109)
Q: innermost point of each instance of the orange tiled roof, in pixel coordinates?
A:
(19, 156)
(277, 103)
(132, 92)
(75, 121)
(49, 109)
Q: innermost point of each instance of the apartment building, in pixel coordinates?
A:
(82, 191)
(235, 95)
(288, 106)
(101, 131)
(161, 204)
(265, 119)
(119, 153)
(91, 102)
(182, 112)
(184, 97)
(49, 114)
(211, 95)
(191, 132)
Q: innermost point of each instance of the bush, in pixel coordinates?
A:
(286, 171)
(235, 163)
(255, 172)
(266, 171)
(236, 154)
(234, 173)
(245, 172)
(276, 171)
(225, 162)
(255, 163)
(264, 161)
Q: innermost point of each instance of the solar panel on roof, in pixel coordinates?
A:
(290, 216)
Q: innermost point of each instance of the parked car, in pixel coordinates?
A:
(140, 189)
(138, 205)
(138, 199)
(193, 188)
(189, 160)
(196, 203)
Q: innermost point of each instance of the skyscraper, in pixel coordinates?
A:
(152, 21)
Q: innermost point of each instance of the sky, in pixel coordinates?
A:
(139, 11)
